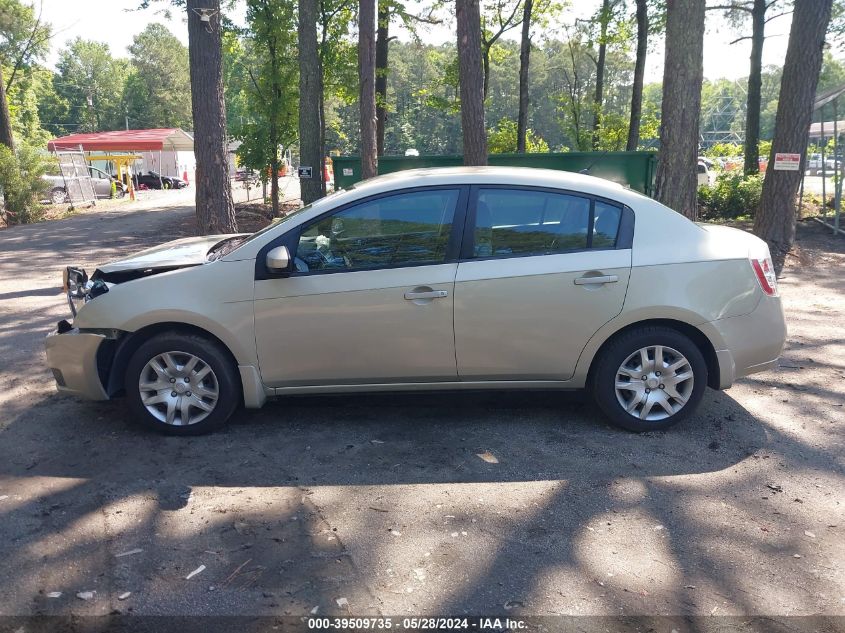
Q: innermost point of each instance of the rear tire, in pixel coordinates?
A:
(58, 196)
(182, 384)
(649, 379)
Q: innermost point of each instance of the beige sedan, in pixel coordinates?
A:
(465, 278)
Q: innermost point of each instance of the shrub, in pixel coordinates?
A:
(723, 149)
(731, 196)
(22, 184)
(502, 139)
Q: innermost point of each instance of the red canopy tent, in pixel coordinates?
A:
(163, 139)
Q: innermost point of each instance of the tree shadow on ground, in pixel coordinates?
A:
(88, 484)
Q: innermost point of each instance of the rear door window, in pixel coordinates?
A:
(523, 222)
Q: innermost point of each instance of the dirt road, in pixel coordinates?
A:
(382, 505)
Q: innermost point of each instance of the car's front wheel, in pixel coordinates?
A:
(649, 378)
(58, 196)
(182, 384)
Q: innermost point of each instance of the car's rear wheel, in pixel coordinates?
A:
(182, 384)
(649, 378)
(58, 196)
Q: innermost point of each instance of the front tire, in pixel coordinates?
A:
(182, 384)
(649, 378)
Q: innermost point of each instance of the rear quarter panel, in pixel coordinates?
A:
(682, 272)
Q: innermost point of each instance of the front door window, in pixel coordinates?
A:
(407, 229)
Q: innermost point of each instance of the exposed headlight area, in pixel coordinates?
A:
(79, 289)
(75, 284)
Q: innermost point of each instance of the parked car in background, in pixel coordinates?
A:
(101, 181)
(704, 174)
(154, 180)
(814, 164)
(430, 279)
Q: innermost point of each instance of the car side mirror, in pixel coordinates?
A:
(278, 259)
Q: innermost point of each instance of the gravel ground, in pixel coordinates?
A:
(505, 504)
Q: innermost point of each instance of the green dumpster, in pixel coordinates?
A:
(632, 169)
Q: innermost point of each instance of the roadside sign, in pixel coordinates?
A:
(304, 172)
(787, 162)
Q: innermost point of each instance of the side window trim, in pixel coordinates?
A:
(624, 238)
(291, 237)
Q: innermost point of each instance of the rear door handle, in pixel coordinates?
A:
(429, 294)
(603, 279)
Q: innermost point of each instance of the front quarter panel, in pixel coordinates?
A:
(217, 297)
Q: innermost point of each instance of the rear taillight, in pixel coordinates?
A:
(765, 272)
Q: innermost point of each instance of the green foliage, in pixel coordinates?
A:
(613, 131)
(724, 149)
(24, 36)
(21, 183)
(650, 119)
(157, 91)
(24, 40)
(502, 139)
(731, 196)
(23, 99)
(91, 82)
(338, 51)
(263, 72)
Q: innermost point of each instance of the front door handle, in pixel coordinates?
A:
(601, 279)
(412, 295)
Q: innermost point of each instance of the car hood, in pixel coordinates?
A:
(190, 251)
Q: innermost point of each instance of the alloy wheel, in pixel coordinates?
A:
(654, 383)
(178, 388)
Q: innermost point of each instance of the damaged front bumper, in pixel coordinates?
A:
(77, 360)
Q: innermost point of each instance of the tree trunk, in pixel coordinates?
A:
(676, 180)
(752, 113)
(599, 96)
(309, 101)
(367, 86)
(775, 219)
(639, 74)
(321, 91)
(7, 138)
(524, 60)
(215, 210)
(275, 95)
(382, 50)
(471, 82)
(274, 168)
(485, 68)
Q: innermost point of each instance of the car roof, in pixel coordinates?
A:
(520, 176)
